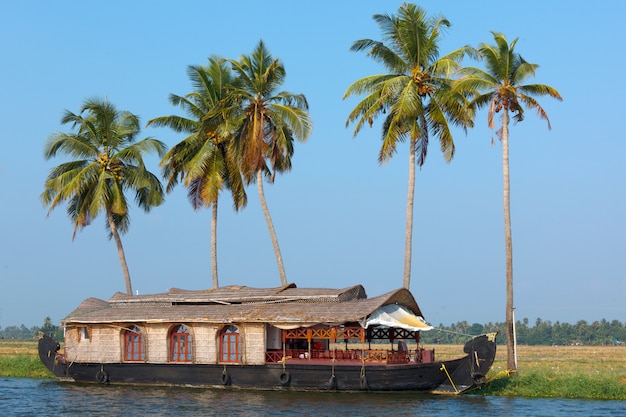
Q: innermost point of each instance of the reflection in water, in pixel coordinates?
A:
(27, 397)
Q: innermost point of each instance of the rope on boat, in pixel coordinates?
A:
(443, 368)
(332, 383)
(284, 377)
(453, 332)
(284, 358)
(363, 378)
(502, 374)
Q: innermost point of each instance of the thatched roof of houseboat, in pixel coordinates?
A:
(285, 307)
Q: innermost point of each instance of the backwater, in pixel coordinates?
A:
(28, 397)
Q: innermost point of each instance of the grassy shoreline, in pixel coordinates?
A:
(19, 358)
(584, 372)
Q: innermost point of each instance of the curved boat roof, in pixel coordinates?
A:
(287, 306)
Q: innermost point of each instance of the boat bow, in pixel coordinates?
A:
(472, 372)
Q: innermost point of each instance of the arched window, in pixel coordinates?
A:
(133, 345)
(181, 349)
(230, 350)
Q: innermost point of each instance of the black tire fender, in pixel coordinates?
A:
(102, 377)
(285, 377)
(225, 378)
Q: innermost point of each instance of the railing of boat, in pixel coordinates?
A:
(359, 355)
(312, 336)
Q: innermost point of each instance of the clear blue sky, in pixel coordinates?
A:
(339, 215)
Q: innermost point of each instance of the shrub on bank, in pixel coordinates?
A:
(24, 366)
(549, 385)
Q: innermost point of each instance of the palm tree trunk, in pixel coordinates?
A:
(408, 245)
(214, 245)
(120, 252)
(270, 226)
(508, 244)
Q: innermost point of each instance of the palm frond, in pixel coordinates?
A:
(501, 85)
(104, 145)
(540, 90)
(418, 96)
(437, 118)
(297, 120)
(532, 103)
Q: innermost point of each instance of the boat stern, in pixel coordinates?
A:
(472, 372)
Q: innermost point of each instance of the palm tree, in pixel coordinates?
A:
(106, 163)
(501, 89)
(415, 96)
(271, 121)
(204, 160)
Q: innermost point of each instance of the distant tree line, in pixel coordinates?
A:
(22, 332)
(601, 332)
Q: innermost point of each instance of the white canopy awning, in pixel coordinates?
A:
(395, 315)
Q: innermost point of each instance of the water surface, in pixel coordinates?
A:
(28, 397)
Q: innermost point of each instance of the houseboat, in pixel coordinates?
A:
(284, 338)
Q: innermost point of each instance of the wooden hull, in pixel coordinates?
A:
(454, 376)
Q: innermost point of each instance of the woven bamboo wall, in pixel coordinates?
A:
(105, 343)
(98, 344)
